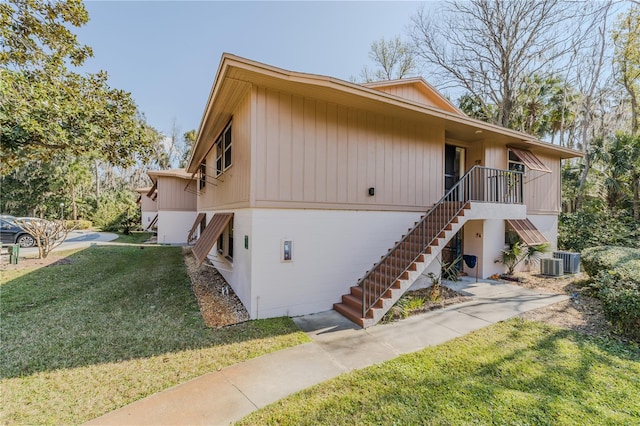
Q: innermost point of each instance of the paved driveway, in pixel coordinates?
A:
(75, 239)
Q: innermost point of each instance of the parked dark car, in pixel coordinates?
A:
(11, 233)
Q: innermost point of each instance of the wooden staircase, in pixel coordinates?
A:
(381, 287)
(393, 268)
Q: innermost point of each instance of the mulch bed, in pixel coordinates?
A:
(581, 312)
(219, 305)
(446, 297)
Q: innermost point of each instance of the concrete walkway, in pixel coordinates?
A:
(338, 346)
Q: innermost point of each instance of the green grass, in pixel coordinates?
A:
(135, 237)
(516, 372)
(115, 325)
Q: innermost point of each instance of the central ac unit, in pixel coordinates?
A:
(570, 261)
(552, 267)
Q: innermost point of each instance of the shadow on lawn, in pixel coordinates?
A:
(534, 374)
(109, 304)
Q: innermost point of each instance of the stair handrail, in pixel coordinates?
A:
(508, 190)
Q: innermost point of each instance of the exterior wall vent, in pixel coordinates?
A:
(551, 267)
(570, 261)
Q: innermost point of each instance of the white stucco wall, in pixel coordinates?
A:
(174, 226)
(548, 225)
(332, 249)
(238, 271)
(146, 217)
(486, 238)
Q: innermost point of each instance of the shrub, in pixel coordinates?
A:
(615, 273)
(623, 261)
(117, 213)
(79, 224)
(605, 227)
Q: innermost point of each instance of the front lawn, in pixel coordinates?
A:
(515, 372)
(135, 237)
(109, 325)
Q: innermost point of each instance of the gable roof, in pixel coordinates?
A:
(236, 76)
(429, 93)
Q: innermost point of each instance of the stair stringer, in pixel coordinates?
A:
(402, 285)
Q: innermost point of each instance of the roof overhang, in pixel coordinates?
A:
(176, 173)
(236, 76)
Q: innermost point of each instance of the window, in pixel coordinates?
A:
(202, 182)
(515, 163)
(223, 151)
(227, 148)
(523, 159)
(219, 156)
(225, 241)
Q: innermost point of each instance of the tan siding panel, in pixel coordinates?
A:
(352, 156)
(297, 149)
(176, 194)
(284, 147)
(273, 154)
(332, 154)
(328, 154)
(321, 153)
(542, 190)
(309, 176)
(343, 156)
(232, 187)
(261, 143)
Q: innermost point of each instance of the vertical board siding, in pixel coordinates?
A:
(232, 187)
(176, 194)
(332, 153)
(284, 147)
(408, 92)
(311, 151)
(542, 191)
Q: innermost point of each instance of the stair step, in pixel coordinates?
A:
(381, 277)
(378, 287)
(356, 291)
(405, 256)
(350, 313)
(352, 301)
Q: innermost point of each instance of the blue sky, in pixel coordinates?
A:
(167, 53)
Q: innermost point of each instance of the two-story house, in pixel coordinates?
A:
(317, 191)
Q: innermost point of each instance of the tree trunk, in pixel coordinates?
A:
(74, 207)
(97, 184)
(636, 196)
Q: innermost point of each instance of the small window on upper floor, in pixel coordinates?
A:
(223, 150)
(202, 180)
(515, 163)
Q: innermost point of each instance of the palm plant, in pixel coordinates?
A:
(511, 257)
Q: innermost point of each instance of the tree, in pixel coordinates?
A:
(46, 109)
(487, 48)
(188, 140)
(541, 105)
(626, 40)
(588, 80)
(48, 234)
(620, 164)
(393, 59)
